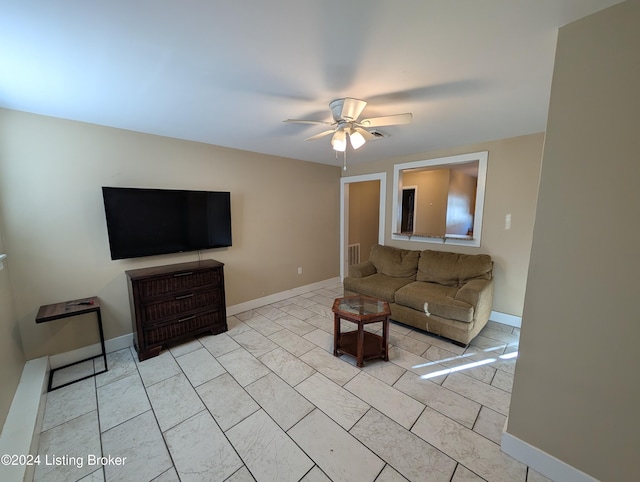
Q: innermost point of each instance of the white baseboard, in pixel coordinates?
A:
(21, 431)
(542, 462)
(506, 319)
(115, 344)
(111, 345)
(283, 295)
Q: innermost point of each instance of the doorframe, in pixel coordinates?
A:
(415, 204)
(344, 211)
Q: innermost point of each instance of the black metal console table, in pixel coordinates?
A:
(68, 309)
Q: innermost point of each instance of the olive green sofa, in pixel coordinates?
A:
(447, 294)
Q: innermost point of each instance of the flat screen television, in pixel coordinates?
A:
(147, 222)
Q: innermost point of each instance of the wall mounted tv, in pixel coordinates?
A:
(146, 222)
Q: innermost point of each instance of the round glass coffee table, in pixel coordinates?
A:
(359, 343)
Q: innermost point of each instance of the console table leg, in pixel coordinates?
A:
(104, 352)
(336, 334)
(360, 344)
(385, 338)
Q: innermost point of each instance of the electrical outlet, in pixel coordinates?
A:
(507, 221)
(299, 269)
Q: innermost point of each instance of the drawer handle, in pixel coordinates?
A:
(183, 274)
(184, 297)
(186, 319)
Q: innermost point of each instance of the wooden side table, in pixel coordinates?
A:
(68, 309)
(362, 344)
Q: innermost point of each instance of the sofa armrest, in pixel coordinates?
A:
(477, 292)
(361, 270)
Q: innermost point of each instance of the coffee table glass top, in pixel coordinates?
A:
(361, 305)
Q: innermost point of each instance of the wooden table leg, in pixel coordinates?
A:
(385, 338)
(336, 334)
(360, 344)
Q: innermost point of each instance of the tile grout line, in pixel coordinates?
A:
(294, 387)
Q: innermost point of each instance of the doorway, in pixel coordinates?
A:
(362, 215)
(408, 222)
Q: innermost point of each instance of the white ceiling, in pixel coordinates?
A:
(229, 72)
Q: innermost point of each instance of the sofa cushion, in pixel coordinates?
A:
(361, 270)
(377, 285)
(440, 300)
(453, 269)
(395, 262)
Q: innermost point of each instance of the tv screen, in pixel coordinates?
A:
(146, 222)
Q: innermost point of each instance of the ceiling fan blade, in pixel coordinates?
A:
(387, 120)
(304, 121)
(322, 134)
(352, 108)
(368, 136)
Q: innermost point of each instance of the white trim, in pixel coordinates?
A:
(125, 341)
(21, 431)
(345, 192)
(111, 345)
(283, 295)
(506, 319)
(344, 216)
(482, 158)
(540, 461)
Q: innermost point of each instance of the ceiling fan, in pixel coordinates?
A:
(346, 124)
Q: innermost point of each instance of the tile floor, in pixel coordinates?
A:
(268, 401)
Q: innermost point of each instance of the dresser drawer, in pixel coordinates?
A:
(182, 303)
(178, 282)
(186, 325)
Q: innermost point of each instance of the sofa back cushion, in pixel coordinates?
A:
(453, 269)
(395, 262)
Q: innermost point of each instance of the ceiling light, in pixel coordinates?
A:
(347, 123)
(357, 139)
(339, 140)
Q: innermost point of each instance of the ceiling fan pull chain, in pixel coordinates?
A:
(344, 160)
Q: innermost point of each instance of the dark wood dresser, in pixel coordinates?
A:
(175, 302)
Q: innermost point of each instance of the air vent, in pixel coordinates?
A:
(377, 134)
(353, 254)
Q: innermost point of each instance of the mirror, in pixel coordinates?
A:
(440, 200)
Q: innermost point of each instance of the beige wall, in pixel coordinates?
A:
(11, 354)
(577, 389)
(285, 214)
(432, 189)
(364, 213)
(461, 202)
(512, 185)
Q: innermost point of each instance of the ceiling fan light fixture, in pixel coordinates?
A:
(357, 139)
(339, 140)
(346, 112)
